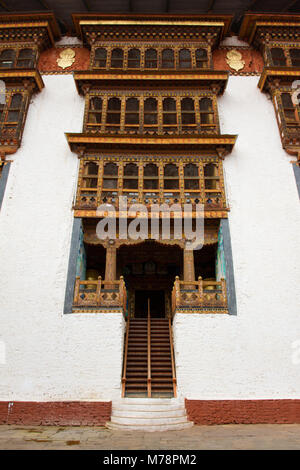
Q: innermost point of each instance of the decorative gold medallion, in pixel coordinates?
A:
(234, 60)
(66, 58)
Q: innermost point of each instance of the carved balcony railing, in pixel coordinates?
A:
(199, 296)
(99, 295)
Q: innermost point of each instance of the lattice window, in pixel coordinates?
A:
(117, 57)
(207, 117)
(132, 113)
(289, 110)
(142, 181)
(167, 59)
(130, 180)
(151, 59)
(23, 58)
(113, 117)
(134, 59)
(295, 57)
(150, 114)
(100, 57)
(278, 57)
(201, 58)
(169, 114)
(188, 113)
(95, 111)
(185, 60)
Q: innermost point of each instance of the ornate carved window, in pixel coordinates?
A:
(207, 117)
(167, 59)
(134, 59)
(278, 57)
(201, 58)
(95, 112)
(100, 57)
(160, 180)
(151, 178)
(188, 114)
(289, 110)
(169, 114)
(151, 59)
(131, 173)
(113, 117)
(139, 113)
(12, 115)
(132, 113)
(23, 58)
(185, 60)
(295, 57)
(150, 114)
(117, 56)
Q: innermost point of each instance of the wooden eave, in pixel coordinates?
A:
(32, 20)
(17, 76)
(8, 147)
(81, 20)
(282, 73)
(194, 79)
(88, 142)
(252, 21)
(208, 214)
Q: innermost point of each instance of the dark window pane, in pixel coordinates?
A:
(92, 168)
(13, 116)
(134, 58)
(111, 169)
(169, 104)
(114, 104)
(171, 170)
(185, 58)
(130, 184)
(191, 184)
(150, 170)
(295, 57)
(110, 183)
(171, 184)
(96, 104)
(187, 104)
(16, 101)
(278, 56)
(25, 58)
(151, 59)
(117, 58)
(190, 170)
(168, 58)
(7, 58)
(131, 170)
(100, 57)
(201, 58)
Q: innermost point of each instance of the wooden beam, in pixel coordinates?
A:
(44, 4)
(289, 5)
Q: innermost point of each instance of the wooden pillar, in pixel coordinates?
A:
(111, 262)
(188, 267)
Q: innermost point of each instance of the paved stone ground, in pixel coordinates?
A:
(259, 436)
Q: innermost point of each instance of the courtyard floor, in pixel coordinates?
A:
(251, 436)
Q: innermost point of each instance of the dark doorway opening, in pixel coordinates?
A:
(157, 303)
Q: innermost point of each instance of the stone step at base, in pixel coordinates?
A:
(157, 428)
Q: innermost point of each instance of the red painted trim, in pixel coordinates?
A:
(243, 411)
(61, 413)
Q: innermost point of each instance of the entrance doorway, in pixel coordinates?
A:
(157, 303)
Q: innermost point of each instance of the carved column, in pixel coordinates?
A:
(111, 262)
(188, 267)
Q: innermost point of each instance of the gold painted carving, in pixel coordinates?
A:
(234, 60)
(66, 58)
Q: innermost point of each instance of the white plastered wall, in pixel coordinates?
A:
(48, 355)
(256, 353)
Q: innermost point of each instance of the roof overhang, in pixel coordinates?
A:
(102, 20)
(252, 21)
(17, 76)
(220, 144)
(31, 20)
(195, 79)
(284, 74)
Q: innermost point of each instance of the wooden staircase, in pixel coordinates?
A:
(148, 368)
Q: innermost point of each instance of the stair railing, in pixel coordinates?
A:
(125, 358)
(174, 380)
(149, 352)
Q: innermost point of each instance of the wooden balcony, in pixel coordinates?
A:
(99, 296)
(199, 296)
